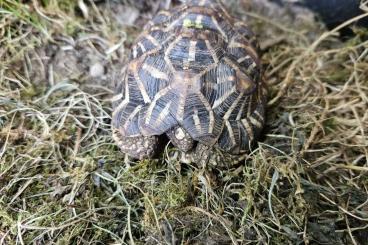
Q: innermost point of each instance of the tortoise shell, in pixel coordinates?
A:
(195, 75)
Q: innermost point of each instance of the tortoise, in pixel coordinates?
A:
(194, 74)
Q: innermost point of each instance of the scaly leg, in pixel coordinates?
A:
(139, 147)
(212, 156)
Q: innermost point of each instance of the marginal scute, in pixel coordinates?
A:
(229, 137)
(161, 18)
(159, 35)
(244, 83)
(246, 32)
(194, 74)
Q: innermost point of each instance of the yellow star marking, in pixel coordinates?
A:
(189, 24)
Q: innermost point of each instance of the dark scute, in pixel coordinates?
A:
(155, 127)
(154, 85)
(132, 127)
(148, 46)
(225, 143)
(209, 89)
(223, 72)
(201, 46)
(245, 142)
(135, 95)
(179, 53)
(151, 84)
(224, 107)
(238, 53)
(203, 57)
(246, 32)
(260, 108)
(159, 35)
(236, 111)
(126, 128)
(193, 104)
(160, 19)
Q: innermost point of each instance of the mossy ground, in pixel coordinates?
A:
(62, 178)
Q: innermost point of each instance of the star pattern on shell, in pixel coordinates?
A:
(195, 75)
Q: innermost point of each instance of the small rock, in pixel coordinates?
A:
(96, 70)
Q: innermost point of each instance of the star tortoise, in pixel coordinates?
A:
(194, 74)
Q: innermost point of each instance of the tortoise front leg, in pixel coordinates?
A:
(202, 154)
(180, 138)
(214, 157)
(139, 147)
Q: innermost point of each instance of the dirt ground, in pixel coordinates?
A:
(63, 179)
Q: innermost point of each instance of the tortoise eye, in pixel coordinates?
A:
(244, 84)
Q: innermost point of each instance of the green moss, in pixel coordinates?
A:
(22, 12)
(171, 192)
